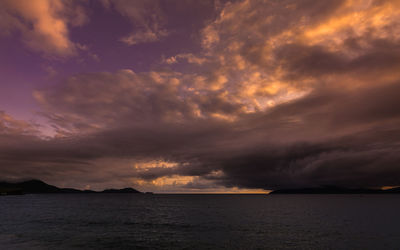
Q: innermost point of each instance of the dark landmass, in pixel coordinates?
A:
(124, 190)
(336, 190)
(40, 187)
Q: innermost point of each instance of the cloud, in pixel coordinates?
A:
(311, 141)
(87, 102)
(10, 125)
(144, 37)
(147, 18)
(189, 57)
(291, 94)
(43, 24)
(291, 45)
(329, 137)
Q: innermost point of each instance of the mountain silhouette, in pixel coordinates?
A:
(336, 190)
(124, 190)
(40, 187)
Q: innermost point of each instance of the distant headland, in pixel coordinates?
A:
(40, 187)
(336, 190)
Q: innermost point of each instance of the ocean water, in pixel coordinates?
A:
(131, 221)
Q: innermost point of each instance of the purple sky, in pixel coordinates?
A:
(200, 96)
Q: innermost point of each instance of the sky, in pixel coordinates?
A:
(187, 96)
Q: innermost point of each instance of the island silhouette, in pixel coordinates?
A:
(40, 187)
(336, 190)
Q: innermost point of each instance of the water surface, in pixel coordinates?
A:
(132, 221)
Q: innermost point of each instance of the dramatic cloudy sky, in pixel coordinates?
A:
(200, 96)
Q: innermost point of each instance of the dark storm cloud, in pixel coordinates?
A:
(327, 138)
(316, 61)
(291, 94)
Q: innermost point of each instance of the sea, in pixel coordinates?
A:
(199, 221)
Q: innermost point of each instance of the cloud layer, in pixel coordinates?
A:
(285, 94)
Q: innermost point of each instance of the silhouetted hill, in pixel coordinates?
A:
(335, 190)
(31, 187)
(124, 190)
(393, 190)
(40, 187)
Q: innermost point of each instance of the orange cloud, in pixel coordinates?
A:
(10, 125)
(190, 58)
(268, 60)
(191, 184)
(44, 24)
(356, 18)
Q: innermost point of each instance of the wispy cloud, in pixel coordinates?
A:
(146, 17)
(189, 57)
(144, 37)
